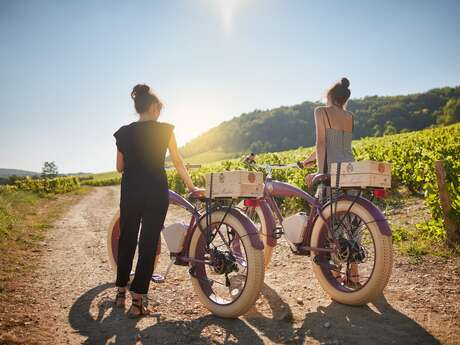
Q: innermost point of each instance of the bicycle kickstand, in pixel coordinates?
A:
(158, 278)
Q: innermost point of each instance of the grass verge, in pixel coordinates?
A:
(25, 218)
(422, 240)
(415, 234)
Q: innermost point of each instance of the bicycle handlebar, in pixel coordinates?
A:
(297, 165)
(187, 166)
(268, 167)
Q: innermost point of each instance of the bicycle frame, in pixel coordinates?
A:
(274, 188)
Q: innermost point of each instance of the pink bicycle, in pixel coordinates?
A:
(346, 236)
(221, 247)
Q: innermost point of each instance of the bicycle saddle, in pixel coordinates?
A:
(196, 195)
(321, 178)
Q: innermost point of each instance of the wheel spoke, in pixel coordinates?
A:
(223, 238)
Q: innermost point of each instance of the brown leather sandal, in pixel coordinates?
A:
(353, 281)
(120, 299)
(138, 303)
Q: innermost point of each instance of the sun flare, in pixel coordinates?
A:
(227, 11)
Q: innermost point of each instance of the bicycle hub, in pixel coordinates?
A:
(224, 262)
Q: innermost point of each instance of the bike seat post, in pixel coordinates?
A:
(268, 169)
(321, 192)
(169, 268)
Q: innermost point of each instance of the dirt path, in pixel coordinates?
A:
(73, 290)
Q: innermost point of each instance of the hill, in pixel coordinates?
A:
(5, 173)
(289, 127)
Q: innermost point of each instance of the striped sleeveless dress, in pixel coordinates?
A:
(338, 149)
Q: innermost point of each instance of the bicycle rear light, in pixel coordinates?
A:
(250, 202)
(380, 193)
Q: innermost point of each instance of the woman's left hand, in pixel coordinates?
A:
(198, 192)
(308, 163)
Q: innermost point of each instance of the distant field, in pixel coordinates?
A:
(101, 179)
(5, 173)
(105, 175)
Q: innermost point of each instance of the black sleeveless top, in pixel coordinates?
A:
(143, 145)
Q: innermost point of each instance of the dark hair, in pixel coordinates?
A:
(339, 92)
(143, 98)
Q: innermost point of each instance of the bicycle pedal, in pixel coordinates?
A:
(302, 251)
(193, 274)
(316, 259)
(321, 262)
(158, 278)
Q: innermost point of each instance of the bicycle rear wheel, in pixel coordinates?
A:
(359, 270)
(113, 235)
(230, 272)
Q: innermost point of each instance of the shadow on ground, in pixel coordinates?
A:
(111, 326)
(375, 324)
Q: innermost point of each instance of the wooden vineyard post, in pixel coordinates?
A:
(449, 225)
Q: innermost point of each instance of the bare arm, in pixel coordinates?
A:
(179, 163)
(320, 139)
(120, 162)
(318, 154)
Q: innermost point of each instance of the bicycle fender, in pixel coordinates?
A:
(178, 200)
(250, 228)
(374, 211)
(269, 222)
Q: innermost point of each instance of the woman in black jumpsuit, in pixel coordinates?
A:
(144, 193)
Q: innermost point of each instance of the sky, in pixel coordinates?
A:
(67, 67)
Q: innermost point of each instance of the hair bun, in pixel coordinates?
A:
(139, 89)
(345, 82)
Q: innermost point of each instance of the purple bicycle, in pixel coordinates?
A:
(346, 235)
(221, 247)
